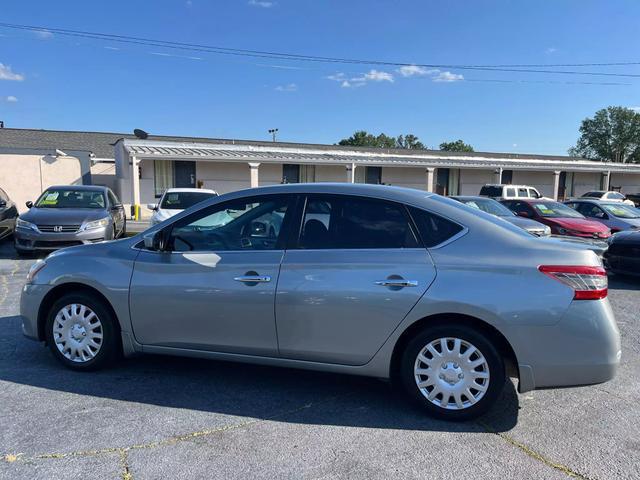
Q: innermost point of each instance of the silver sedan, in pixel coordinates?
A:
(358, 279)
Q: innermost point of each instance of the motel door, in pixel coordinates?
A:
(185, 174)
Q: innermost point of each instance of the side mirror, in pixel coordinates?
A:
(153, 240)
(152, 206)
(29, 204)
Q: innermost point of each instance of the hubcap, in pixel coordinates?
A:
(77, 332)
(451, 373)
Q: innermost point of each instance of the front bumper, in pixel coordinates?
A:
(30, 300)
(30, 240)
(583, 348)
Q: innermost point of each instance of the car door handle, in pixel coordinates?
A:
(397, 283)
(253, 279)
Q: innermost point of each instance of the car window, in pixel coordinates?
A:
(511, 192)
(622, 211)
(433, 228)
(490, 206)
(593, 194)
(491, 191)
(533, 193)
(615, 196)
(589, 210)
(523, 193)
(3, 196)
(555, 210)
(347, 222)
(183, 200)
(245, 224)
(112, 198)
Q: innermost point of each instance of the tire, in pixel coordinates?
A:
(452, 373)
(71, 343)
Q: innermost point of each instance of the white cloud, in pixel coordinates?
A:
(361, 80)
(551, 50)
(11, 99)
(261, 3)
(415, 70)
(289, 87)
(44, 34)
(448, 77)
(7, 74)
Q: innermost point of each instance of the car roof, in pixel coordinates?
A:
(196, 190)
(88, 188)
(472, 197)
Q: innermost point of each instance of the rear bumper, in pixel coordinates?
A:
(29, 240)
(581, 349)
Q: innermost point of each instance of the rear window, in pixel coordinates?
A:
(433, 229)
(183, 200)
(593, 194)
(491, 191)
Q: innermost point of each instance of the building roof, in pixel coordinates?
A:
(101, 144)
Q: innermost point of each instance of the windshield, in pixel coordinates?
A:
(555, 209)
(490, 206)
(621, 211)
(183, 200)
(71, 198)
(491, 191)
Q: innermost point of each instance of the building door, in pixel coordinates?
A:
(185, 174)
(442, 181)
(373, 175)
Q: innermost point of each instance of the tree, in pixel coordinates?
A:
(362, 138)
(457, 146)
(613, 135)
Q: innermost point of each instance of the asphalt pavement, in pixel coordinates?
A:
(157, 417)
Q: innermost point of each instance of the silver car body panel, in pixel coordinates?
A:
(487, 273)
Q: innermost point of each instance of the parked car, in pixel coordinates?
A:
(8, 215)
(562, 219)
(70, 215)
(635, 198)
(175, 200)
(359, 296)
(494, 207)
(504, 191)
(608, 196)
(623, 255)
(615, 215)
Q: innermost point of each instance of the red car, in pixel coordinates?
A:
(562, 219)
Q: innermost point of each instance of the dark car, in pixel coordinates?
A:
(494, 207)
(562, 219)
(623, 255)
(70, 215)
(8, 215)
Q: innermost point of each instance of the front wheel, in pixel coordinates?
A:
(454, 372)
(82, 332)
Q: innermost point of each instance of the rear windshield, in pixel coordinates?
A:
(593, 194)
(183, 200)
(555, 209)
(71, 198)
(491, 191)
(490, 206)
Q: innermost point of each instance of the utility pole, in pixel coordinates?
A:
(273, 132)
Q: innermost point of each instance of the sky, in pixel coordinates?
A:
(52, 81)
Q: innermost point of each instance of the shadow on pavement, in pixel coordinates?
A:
(242, 390)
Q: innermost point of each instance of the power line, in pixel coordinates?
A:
(513, 68)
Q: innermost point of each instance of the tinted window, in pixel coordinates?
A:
(519, 208)
(183, 200)
(331, 222)
(522, 192)
(112, 198)
(511, 192)
(433, 229)
(71, 198)
(491, 191)
(593, 194)
(247, 224)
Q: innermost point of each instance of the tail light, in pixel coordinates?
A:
(588, 283)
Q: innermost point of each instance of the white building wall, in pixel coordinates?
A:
(542, 181)
(629, 182)
(225, 177)
(472, 180)
(405, 177)
(584, 182)
(331, 173)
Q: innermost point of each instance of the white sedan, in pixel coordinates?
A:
(175, 200)
(608, 197)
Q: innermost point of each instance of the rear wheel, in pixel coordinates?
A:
(81, 332)
(454, 372)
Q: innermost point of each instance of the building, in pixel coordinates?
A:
(140, 170)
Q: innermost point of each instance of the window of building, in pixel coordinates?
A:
(290, 173)
(507, 177)
(346, 222)
(163, 177)
(373, 175)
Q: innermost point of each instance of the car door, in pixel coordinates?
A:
(354, 271)
(213, 286)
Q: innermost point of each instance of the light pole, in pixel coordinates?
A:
(273, 132)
